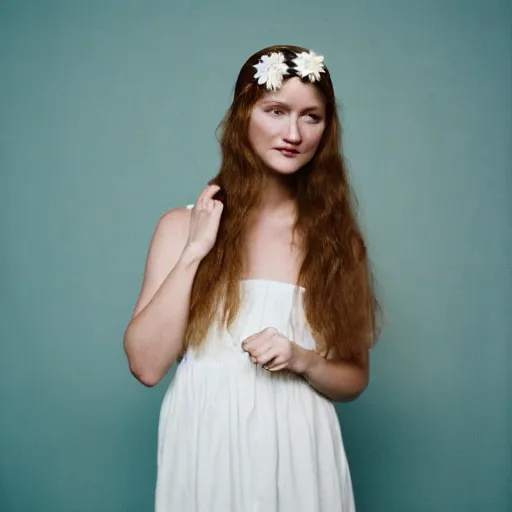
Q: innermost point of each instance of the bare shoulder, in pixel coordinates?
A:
(168, 241)
(174, 223)
(170, 233)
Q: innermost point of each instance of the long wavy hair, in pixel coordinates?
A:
(339, 299)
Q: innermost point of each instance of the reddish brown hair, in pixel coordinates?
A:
(339, 300)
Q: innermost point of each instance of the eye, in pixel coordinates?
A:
(314, 117)
(276, 111)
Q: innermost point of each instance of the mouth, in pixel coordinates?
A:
(288, 152)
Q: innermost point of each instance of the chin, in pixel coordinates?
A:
(291, 168)
(284, 172)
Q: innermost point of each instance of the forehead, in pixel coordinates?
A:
(295, 93)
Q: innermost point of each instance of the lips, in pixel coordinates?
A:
(288, 150)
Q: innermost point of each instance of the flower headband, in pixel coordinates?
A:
(271, 68)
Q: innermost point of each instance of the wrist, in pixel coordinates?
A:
(305, 359)
(190, 257)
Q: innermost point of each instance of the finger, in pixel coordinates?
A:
(261, 343)
(199, 205)
(210, 191)
(266, 334)
(267, 366)
(278, 367)
(276, 361)
(258, 347)
(279, 363)
(265, 358)
(255, 347)
(218, 206)
(200, 199)
(248, 344)
(270, 331)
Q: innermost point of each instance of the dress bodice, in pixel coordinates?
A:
(265, 303)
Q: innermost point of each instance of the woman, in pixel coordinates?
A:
(262, 291)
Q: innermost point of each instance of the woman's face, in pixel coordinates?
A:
(286, 126)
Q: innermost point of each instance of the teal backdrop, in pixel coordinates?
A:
(108, 112)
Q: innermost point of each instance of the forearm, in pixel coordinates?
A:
(155, 336)
(339, 381)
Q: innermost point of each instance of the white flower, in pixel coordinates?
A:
(310, 65)
(270, 70)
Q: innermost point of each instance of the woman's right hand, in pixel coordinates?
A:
(204, 223)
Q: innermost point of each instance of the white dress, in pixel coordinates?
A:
(234, 437)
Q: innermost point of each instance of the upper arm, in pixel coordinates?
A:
(167, 244)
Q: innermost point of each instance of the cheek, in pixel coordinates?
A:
(313, 139)
(264, 128)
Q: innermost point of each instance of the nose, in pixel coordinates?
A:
(293, 135)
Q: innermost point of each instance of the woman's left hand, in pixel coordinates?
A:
(274, 351)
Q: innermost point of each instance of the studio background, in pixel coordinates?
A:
(108, 113)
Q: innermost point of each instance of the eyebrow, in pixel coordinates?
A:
(286, 105)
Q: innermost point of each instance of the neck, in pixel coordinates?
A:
(277, 194)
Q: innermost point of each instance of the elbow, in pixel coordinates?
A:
(143, 372)
(145, 378)
(359, 387)
(356, 393)
(138, 368)
(360, 378)
(354, 390)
